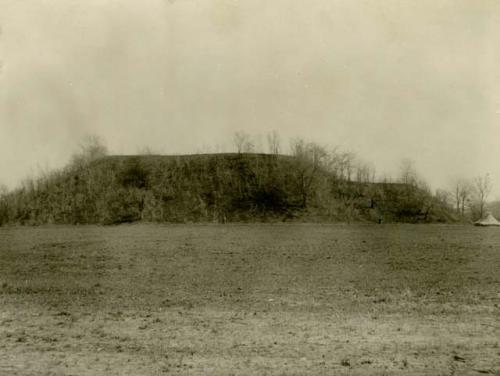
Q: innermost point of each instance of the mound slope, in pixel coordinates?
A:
(211, 188)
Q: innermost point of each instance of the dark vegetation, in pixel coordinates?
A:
(309, 185)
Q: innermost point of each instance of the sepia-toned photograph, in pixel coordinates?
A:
(249, 187)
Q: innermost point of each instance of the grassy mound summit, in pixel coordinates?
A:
(211, 188)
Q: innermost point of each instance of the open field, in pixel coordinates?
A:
(250, 299)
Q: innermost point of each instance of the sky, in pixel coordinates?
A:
(388, 80)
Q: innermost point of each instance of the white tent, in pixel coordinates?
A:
(489, 220)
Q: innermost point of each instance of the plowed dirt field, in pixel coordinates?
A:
(269, 299)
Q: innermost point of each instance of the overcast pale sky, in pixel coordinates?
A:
(386, 79)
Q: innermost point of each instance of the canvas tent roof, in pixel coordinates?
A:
(489, 220)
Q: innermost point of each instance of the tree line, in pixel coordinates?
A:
(470, 197)
(308, 182)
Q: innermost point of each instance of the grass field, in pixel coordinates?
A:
(250, 299)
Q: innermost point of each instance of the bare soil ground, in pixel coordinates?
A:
(250, 299)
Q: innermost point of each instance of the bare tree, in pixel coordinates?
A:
(243, 142)
(91, 148)
(334, 163)
(310, 158)
(273, 142)
(408, 173)
(345, 165)
(462, 191)
(482, 189)
(443, 197)
(365, 172)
